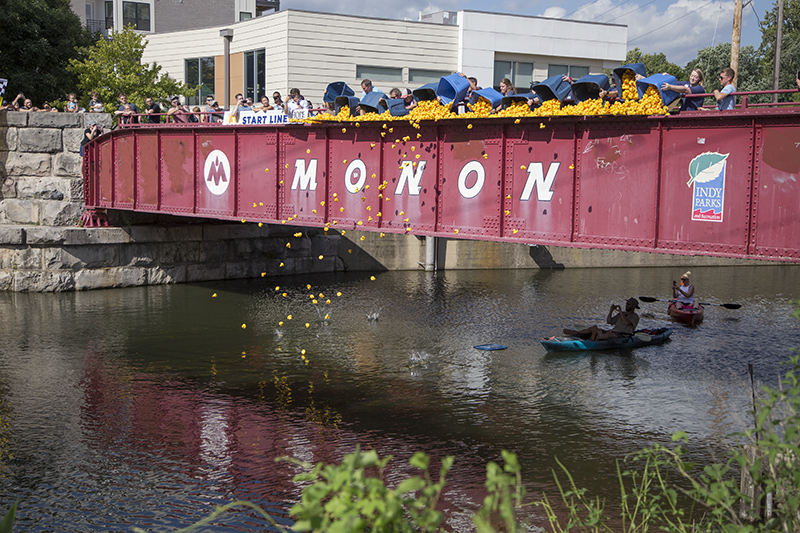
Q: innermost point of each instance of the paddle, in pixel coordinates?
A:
(650, 299)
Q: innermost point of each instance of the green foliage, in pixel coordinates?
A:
(38, 38)
(655, 63)
(115, 66)
(344, 498)
(505, 495)
(7, 523)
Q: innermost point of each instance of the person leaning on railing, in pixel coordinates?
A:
(726, 100)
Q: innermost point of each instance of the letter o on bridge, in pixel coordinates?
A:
(477, 168)
(358, 168)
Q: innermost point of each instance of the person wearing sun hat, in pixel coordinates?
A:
(624, 323)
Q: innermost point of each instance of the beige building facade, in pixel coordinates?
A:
(308, 50)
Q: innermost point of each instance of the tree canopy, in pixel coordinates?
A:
(38, 39)
(654, 63)
(115, 66)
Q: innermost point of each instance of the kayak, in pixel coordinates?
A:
(642, 337)
(686, 316)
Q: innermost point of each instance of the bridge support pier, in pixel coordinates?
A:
(431, 255)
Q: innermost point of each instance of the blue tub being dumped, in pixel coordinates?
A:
(517, 98)
(397, 107)
(657, 80)
(373, 102)
(426, 92)
(494, 96)
(336, 89)
(588, 87)
(636, 68)
(553, 87)
(452, 89)
(346, 101)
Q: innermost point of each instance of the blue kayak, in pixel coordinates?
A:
(642, 337)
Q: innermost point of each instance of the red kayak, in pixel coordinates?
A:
(689, 316)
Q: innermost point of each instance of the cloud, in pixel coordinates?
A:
(678, 28)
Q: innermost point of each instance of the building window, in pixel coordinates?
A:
(136, 14)
(519, 72)
(245, 15)
(574, 72)
(109, 7)
(379, 73)
(422, 76)
(254, 74)
(199, 72)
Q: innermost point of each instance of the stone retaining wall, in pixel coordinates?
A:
(40, 175)
(53, 259)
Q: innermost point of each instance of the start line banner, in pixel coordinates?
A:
(246, 118)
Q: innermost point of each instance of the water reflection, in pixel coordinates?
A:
(147, 406)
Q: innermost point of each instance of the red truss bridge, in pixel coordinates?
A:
(699, 183)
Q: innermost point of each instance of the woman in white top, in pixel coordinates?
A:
(684, 294)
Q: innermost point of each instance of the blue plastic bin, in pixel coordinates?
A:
(589, 87)
(508, 100)
(346, 101)
(553, 87)
(372, 102)
(452, 89)
(637, 68)
(656, 80)
(336, 89)
(397, 107)
(426, 92)
(494, 96)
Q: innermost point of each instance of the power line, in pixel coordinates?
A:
(670, 22)
(632, 10)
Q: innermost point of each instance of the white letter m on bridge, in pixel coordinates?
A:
(305, 178)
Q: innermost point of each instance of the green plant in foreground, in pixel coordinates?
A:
(7, 523)
(343, 498)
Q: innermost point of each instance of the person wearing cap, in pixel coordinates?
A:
(408, 99)
(624, 323)
(177, 113)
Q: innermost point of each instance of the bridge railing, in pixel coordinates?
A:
(705, 183)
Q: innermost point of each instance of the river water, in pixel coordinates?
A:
(147, 406)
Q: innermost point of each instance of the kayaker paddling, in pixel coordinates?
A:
(684, 294)
(624, 323)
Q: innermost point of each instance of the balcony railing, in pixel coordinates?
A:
(98, 26)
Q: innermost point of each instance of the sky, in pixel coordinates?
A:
(678, 28)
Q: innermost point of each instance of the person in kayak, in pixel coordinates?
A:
(624, 323)
(684, 294)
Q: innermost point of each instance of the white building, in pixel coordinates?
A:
(308, 50)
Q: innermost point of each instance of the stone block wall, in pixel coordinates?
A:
(40, 174)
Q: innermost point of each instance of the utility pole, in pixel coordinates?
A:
(736, 40)
(776, 71)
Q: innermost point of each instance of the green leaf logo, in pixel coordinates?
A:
(706, 167)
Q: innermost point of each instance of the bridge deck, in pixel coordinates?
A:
(705, 183)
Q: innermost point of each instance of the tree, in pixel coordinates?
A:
(654, 63)
(712, 59)
(790, 46)
(115, 66)
(38, 39)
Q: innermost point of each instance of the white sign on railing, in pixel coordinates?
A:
(255, 117)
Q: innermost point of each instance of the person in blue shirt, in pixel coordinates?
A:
(693, 86)
(725, 98)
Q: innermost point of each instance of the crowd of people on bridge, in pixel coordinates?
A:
(178, 112)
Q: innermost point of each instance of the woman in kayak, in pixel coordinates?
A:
(684, 295)
(624, 323)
